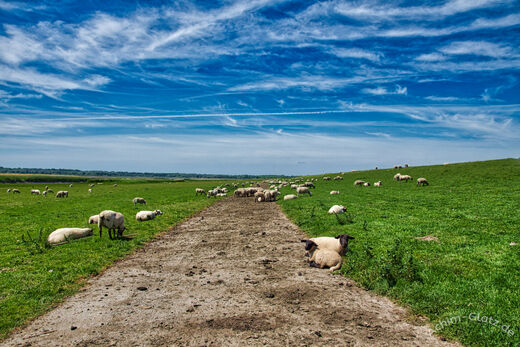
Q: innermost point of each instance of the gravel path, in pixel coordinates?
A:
(234, 274)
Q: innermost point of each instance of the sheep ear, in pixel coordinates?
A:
(303, 240)
(343, 241)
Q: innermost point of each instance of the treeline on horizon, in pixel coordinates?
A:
(74, 172)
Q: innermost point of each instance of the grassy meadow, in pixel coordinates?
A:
(34, 276)
(470, 275)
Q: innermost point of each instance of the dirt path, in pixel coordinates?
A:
(233, 275)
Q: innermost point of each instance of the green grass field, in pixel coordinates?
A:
(34, 277)
(472, 208)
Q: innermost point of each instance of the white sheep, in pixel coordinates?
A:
(303, 190)
(200, 191)
(35, 191)
(115, 185)
(337, 209)
(62, 194)
(366, 184)
(334, 192)
(16, 191)
(44, 193)
(46, 187)
(422, 181)
(326, 258)
(142, 216)
(70, 185)
(90, 190)
(309, 184)
(397, 177)
(406, 178)
(93, 219)
(212, 193)
(240, 192)
(91, 185)
(221, 194)
(294, 186)
(49, 190)
(337, 244)
(359, 182)
(338, 178)
(290, 197)
(326, 178)
(139, 201)
(112, 221)
(9, 190)
(378, 184)
(65, 234)
(259, 197)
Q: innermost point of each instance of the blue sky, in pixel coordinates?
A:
(257, 87)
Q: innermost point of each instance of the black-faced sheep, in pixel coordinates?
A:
(337, 209)
(334, 192)
(378, 184)
(406, 178)
(303, 190)
(199, 191)
(142, 216)
(422, 181)
(62, 194)
(65, 234)
(366, 184)
(93, 219)
(326, 178)
(337, 244)
(139, 201)
(338, 178)
(359, 182)
(397, 177)
(35, 191)
(16, 191)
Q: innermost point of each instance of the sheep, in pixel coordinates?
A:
(65, 234)
(93, 219)
(139, 201)
(290, 197)
(142, 216)
(15, 191)
(91, 185)
(115, 185)
(62, 194)
(326, 178)
(46, 187)
(9, 190)
(44, 193)
(90, 190)
(338, 244)
(303, 190)
(337, 209)
(326, 258)
(309, 184)
(406, 178)
(378, 184)
(405, 165)
(49, 190)
(35, 191)
(221, 194)
(294, 186)
(212, 193)
(359, 182)
(70, 185)
(240, 192)
(397, 177)
(338, 178)
(334, 192)
(112, 221)
(366, 184)
(422, 181)
(259, 197)
(200, 191)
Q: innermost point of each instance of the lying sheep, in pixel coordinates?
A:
(359, 182)
(65, 234)
(326, 258)
(240, 192)
(49, 190)
(142, 216)
(337, 244)
(406, 178)
(378, 184)
(422, 181)
(139, 201)
(303, 190)
(9, 190)
(15, 191)
(212, 193)
(221, 194)
(338, 178)
(397, 177)
(200, 191)
(35, 191)
(290, 197)
(93, 219)
(366, 184)
(334, 192)
(112, 221)
(62, 194)
(337, 209)
(259, 197)
(325, 178)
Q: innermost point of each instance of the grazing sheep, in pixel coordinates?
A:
(397, 177)
(376, 168)
(35, 191)
(139, 201)
(337, 209)
(50, 191)
(309, 184)
(115, 185)
(422, 181)
(395, 167)
(9, 190)
(338, 178)
(15, 191)
(378, 184)
(290, 197)
(142, 216)
(65, 234)
(326, 258)
(62, 194)
(359, 182)
(405, 165)
(240, 192)
(212, 193)
(90, 190)
(44, 193)
(326, 178)
(366, 184)
(294, 186)
(70, 185)
(337, 244)
(200, 191)
(112, 221)
(303, 190)
(91, 185)
(334, 192)
(93, 219)
(406, 178)
(46, 187)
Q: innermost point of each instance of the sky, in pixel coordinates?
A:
(257, 86)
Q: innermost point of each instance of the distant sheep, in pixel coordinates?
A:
(9, 190)
(334, 192)
(112, 221)
(15, 191)
(240, 192)
(90, 190)
(259, 197)
(46, 187)
(49, 190)
(303, 190)
(35, 191)
(378, 184)
(91, 185)
(142, 216)
(62, 194)
(309, 184)
(326, 178)
(337, 209)
(65, 234)
(212, 193)
(44, 193)
(406, 178)
(397, 177)
(366, 184)
(422, 181)
(139, 201)
(290, 197)
(359, 182)
(294, 186)
(200, 191)
(115, 185)
(338, 178)
(70, 185)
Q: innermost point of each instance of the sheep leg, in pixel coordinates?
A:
(337, 267)
(110, 233)
(100, 231)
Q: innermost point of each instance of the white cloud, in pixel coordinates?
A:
(478, 48)
(431, 57)
(356, 53)
(383, 91)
